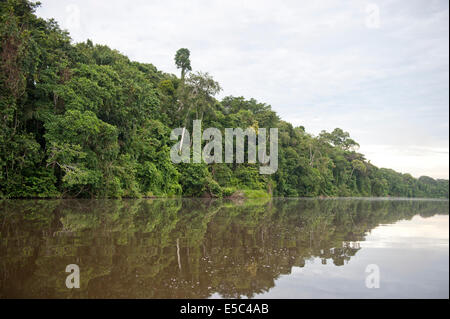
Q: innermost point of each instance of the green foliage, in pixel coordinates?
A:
(340, 139)
(82, 120)
(196, 180)
(251, 193)
(182, 61)
(228, 191)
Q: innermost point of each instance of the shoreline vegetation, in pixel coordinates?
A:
(84, 121)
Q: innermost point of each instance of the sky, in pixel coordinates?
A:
(377, 69)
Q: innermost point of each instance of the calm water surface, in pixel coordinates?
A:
(194, 248)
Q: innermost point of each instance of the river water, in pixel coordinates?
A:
(203, 248)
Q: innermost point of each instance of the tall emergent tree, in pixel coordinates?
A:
(182, 61)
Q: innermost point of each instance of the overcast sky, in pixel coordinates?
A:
(378, 70)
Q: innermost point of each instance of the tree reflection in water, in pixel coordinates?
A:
(180, 248)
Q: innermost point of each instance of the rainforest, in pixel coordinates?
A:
(83, 120)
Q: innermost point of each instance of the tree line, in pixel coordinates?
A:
(83, 120)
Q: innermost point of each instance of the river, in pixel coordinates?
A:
(203, 248)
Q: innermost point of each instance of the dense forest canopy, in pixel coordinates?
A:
(82, 120)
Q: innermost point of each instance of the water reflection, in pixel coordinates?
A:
(188, 248)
